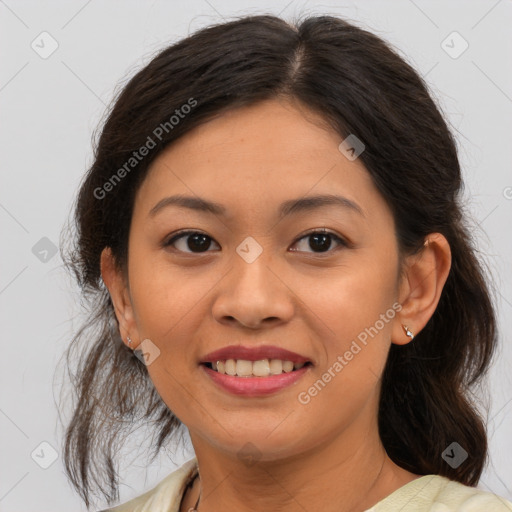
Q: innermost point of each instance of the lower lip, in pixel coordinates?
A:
(255, 386)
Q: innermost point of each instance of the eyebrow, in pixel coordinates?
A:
(289, 207)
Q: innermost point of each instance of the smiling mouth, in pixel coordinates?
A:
(261, 368)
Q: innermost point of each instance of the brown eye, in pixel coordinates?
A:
(190, 241)
(321, 241)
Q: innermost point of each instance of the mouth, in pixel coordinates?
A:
(250, 369)
(257, 378)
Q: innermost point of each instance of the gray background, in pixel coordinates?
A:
(50, 107)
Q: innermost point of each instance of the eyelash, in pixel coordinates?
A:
(342, 242)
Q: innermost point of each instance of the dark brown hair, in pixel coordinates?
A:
(360, 85)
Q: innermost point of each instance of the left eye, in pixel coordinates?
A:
(197, 242)
(321, 239)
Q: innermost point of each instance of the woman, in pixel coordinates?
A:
(272, 241)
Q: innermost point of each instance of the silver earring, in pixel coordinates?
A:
(408, 331)
(129, 340)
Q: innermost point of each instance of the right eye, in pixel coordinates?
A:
(194, 241)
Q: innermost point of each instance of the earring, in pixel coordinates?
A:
(129, 340)
(408, 331)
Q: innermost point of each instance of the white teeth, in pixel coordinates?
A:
(276, 366)
(243, 368)
(230, 367)
(261, 368)
(287, 366)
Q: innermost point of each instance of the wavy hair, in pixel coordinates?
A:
(360, 85)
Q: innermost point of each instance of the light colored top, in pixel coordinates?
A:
(429, 493)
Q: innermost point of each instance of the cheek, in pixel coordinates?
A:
(170, 305)
(350, 301)
(165, 306)
(354, 321)
(354, 347)
(161, 295)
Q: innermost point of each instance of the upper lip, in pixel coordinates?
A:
(253, 354)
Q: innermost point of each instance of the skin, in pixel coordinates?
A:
(326, 455)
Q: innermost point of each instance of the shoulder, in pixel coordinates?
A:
(435, 493)
(464, 498)
(164, 497)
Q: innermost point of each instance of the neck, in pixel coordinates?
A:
(320, 479)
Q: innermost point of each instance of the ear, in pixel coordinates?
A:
(119, 291)
(421, 285)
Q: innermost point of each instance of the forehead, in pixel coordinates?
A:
(254, 157)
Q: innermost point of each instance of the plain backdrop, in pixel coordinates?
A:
(50, 106)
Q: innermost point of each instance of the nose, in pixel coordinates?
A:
(253, 295)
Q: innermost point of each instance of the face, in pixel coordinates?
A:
(250, 275)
